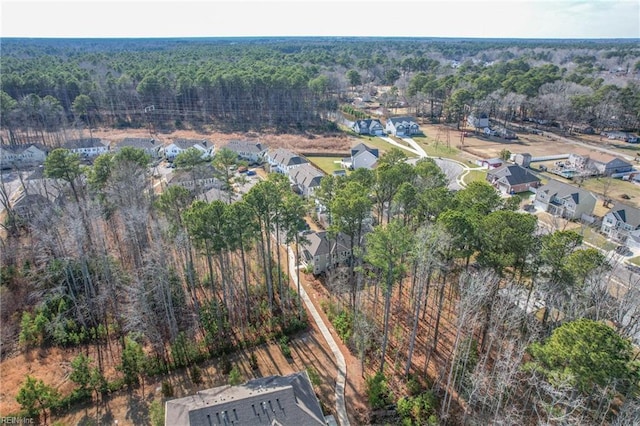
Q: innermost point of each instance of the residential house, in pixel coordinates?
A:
(369, 126)
(324, 253)
(622, 136)
(564, 200)
(510, 179)
(622, 224)
(251, 151)
(362, 157)
(599, 163)
(21, 155)
(402, 126)
(283, 161)
(87, 147)
(179, 145)
(149, 145)
(273, 400)
(307, 178)
(37, 194)
(479, 122)
(201, 178)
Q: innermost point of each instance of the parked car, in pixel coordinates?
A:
(242, 169)
(251, 173)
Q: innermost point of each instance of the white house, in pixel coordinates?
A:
(87, 147)
(621, 223)
(361, 157)
(21, 155)
(179, 145)
(251, 151)
(402, 126)
(200, 179)
(283, 161)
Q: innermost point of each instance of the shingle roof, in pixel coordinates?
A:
(246, 146)
(307, 176)
(84, 143)
(319, 243)
(513, 174)
(286, 400)
(362, 147)
(287, 158)
(565, 191)
(188, 143)
(403, 120)
(627, 214)
(141, 143)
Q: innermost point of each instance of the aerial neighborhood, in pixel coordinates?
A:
(316, 231)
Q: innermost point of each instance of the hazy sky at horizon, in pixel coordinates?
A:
(419, 18)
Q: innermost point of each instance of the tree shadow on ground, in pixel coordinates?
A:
(137, 410)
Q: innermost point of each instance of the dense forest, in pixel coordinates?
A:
(460, 307)
(289, 84)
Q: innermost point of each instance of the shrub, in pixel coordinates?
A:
(156, 413)
(196, 374)
(235, 376)
(284, 347)
(378, 391)
(253, 361)
(420, 410)
(314, 377)
(167, 389)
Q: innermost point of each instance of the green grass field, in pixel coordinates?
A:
(438, 150)
(592, 236)
(475, 175)
(326, 164)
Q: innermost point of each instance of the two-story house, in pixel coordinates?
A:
(362, 156)
(323, 253)
(149, 145)
(402, 126)
(307, 178)
(284, 161)
(21, 155)
(622, 224)
(87, 147)
(251, 151)
(564, 200)
(370, 126)
(179, 145)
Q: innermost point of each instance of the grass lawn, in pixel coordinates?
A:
(326, 164)
(616, 189)
(592, 236)
(439, 150)
(475, 175)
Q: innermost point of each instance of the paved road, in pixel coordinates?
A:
(341, 408)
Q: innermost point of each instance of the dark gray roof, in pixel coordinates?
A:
(19, 149)
(287, 158)
(627, 214)
(307, 175)
(246, 146)
(285, 400)
(84, 143)
(140, 143)
(362, 147)
(369, 123)
(513, 175)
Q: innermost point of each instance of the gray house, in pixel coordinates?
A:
(361, 157)
(402, 126)
(369, 126)
(248, 150)
(283, 161)
(21, 155)
(274, 400)
(621, 223)
(307, 178)
(149, 145)
(324, 253)
(564, 200)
